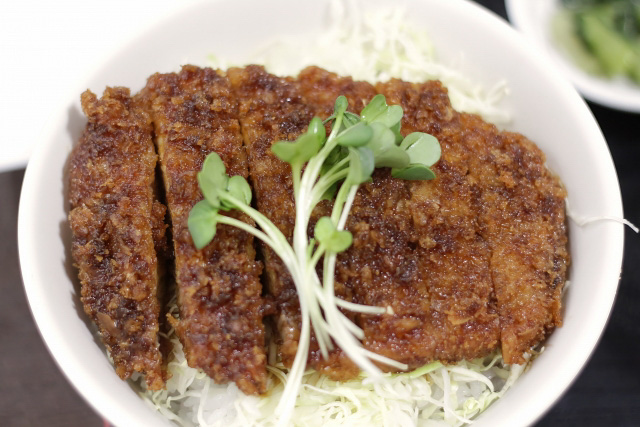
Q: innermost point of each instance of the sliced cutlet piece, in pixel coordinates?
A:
(273, 109)
(219, 289)
(117, 225)
(522, 213)
(319, 89)
(417, 249)
(519, 205)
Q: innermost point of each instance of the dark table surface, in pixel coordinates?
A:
(33, 392)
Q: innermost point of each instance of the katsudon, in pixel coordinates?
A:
(468, 263)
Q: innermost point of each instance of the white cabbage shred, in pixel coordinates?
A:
(373, 46)
(434, 395)
(376, 44)
(582, 220)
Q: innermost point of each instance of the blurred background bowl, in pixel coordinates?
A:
(534, 20)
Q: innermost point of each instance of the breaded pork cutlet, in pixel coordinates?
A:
(319, 90)
(417, 250)
(440, 292)
(272, 109)
(219, 290)
(519, 205)
(118, 228)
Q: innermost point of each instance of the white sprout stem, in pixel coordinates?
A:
(305, 203)
(329, 271)
(343, 334)
(317, 255)
(351, 306)
(309, 306)
(350, 326)
(299, 273)
(347, 206)
(284, 410)
(325, 182)
(343, 330)
(222, 219)
(359, 308)
(281, 245)
(300, 246)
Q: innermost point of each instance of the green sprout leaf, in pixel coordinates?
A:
(392, 157)
(396, 132)
(334, 240)
(316, 128)
(355, 136)
(384, 148)
(378, 111)
(422, 148)
(414, 173)
(213, 179)
(362, 163)
(239, 188)
(340, 105)
(304, 148)
(213, 167)
(349, 119)
(202, 223)
(374, 108)
(423, 151)
(210, 190)
(286, 151)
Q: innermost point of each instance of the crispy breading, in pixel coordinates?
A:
(272, 109)
(117, 225)
(429, 250)
(522, 212)
(469, 262)
(319, 89)
(219, 289)
(416, 250)
(519, 205)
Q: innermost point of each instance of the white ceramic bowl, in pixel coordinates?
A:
(545, 107)
(533, 18)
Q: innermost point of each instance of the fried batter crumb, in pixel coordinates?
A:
(116, 225)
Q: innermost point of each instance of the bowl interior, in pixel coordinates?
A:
(544, 107)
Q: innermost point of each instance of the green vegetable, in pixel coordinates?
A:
(334, 165)
(602, 37)
(565, 33)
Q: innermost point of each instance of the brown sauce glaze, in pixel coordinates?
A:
(219, 289)
(117, 225)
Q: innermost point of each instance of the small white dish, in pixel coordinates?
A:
(533, 19)
(544, 106)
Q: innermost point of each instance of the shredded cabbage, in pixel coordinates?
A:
(434, 395)
(584, 220)
(376, 46)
